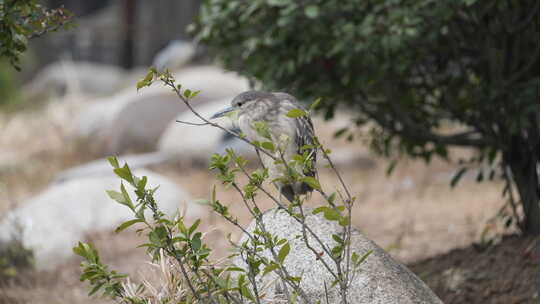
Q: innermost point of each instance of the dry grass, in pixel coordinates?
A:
(34, 147)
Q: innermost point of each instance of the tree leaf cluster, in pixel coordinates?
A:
(431, 74)
(21, 20)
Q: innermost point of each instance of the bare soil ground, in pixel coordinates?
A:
(507, 273)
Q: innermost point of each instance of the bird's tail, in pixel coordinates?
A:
(289, 191)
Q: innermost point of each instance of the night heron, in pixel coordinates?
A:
(289, 134)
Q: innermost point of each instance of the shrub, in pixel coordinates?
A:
(180, 248)
(15, 261)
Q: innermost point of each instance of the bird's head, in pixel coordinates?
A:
(244, 101)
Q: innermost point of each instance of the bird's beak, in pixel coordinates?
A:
(222, 112)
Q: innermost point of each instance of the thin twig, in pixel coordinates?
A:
(170, 83)
(192, 123)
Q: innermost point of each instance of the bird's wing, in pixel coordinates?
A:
(305, 134)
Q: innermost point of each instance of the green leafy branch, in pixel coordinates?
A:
(22, 20)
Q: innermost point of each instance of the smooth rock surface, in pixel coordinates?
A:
(87, 78)
(102, 167)
(138, 125)
(381, 279)
(198, 143)
(174, 56)
(56, 219)
(134, 121)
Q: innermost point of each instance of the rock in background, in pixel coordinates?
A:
(135, 121)
(102, 167)
(56, 219)
(197, 143)
(84, 78)
(99, 36)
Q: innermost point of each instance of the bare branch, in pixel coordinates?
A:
(192, 123)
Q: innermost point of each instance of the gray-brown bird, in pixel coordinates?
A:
(288, 133)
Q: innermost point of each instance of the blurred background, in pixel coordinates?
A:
(120, 33)
(74, 102)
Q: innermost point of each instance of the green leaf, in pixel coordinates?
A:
(96, 288)
(270, 267)
(343, 221)
(480, 176)
(194, 226)
(202, 201)
(337, 251)
(127, 199)
(79, 250)
(391, 167)
(196, 242)
(354, 257)
(146, 81)
(283, 252)
(332, 198)
(457, 177)
(315, 104)
(364, 257)
(235, 269)
(241, 280)
(117, 196)
(332, 215)
(127, 224)
(268, 146)
(337, 238)
(187, 93)
(340, 132)
(125, 173)
(294, 113)
(246, 293)
(262, 129)
(278, 2)
(194, 94)
(319, 209)
(141, 184)
(295, 279)
(312, 182)
(312, 11)
(113, 161)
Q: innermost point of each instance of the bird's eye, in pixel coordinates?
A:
(240, 104)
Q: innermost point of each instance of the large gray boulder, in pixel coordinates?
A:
(381, 279)
(56, 219)
(139, 124)
(129, 120)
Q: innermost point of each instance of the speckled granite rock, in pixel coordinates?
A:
(381, 279)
